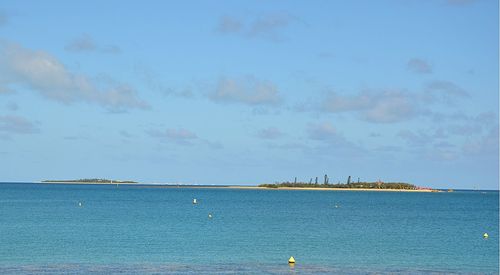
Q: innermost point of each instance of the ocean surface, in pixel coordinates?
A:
(132, 229)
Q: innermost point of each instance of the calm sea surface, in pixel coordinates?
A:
(158, 230)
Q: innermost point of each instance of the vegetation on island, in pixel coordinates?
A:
(92, 181)
(348, 184)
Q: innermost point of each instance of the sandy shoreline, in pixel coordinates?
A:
(245, 187)
(331, 189)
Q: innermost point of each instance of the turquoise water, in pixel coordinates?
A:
(158, 230)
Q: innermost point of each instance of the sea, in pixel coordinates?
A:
(127, 229)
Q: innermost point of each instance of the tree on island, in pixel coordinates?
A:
(359, 184)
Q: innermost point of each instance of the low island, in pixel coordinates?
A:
(356, 186)
(90, 181)
(295, 185)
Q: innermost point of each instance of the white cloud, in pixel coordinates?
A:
(248, 90)
(391, 109)
(43, 73)
(377, 107)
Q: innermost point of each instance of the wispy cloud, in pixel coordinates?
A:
(468, 126)
(445, 91)
(478, 136)
(77, 137)
(247, 90)
(392, 106)
(12, 106)
(179, 136)
(125, 134)
(331, 141)
(213, 144)
(324, 132)
(153, 82)
(228, 24)
(376, 107)
(420, 66)
(415, 139)
(484, 145)
(86, 43)
(289, 146)
(45, 74)
(4, 89)
(17, 125)
(270, 133)
(268, 26)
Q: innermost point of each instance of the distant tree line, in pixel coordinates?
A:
(359, 184)
(93, 181)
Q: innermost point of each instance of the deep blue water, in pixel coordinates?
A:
(129, 229)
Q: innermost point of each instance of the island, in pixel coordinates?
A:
(90, 181)
(359, 185)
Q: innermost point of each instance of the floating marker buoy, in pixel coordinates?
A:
(194, 201)
(209, 215)
(485, 235)
(80, 204)
(291, 260)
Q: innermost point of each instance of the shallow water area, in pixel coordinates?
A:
(81, 229)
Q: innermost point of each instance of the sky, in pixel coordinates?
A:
(251, 92)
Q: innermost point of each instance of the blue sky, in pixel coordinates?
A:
(249, 92)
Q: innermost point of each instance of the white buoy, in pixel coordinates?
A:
(194, 201)
(209, 215)
(80, 204)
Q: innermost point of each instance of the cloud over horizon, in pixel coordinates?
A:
(45, 74)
